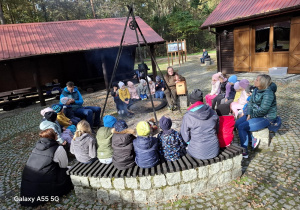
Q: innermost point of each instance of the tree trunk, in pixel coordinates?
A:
(93, 10)
(2, 20)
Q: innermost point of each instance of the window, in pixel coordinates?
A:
(262, 38)
(281, 36)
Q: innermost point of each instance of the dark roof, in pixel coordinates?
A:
(230, 11)
(28, 39)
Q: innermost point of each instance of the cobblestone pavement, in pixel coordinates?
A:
(270, 177)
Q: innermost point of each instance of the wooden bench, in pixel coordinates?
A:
(109, 184)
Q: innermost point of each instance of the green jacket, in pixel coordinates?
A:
(104, 136)
(263, 103)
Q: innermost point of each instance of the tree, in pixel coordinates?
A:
(2, 20)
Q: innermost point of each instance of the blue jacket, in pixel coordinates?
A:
(146, 150)
(75, 95)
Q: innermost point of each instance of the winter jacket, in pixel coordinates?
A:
(142, 89)
(45, 124)
(124, 94)
(103, 137)
(237, 96)
(132, 91)
(159, 86)
(84, 148)
(226, 126)
(243, 98)
(146, 151)
(42, 176)
(199, 129)
(62, 119)
(74, 95)
(215, 88)
(123, 153)
(263, 103)
(171, 145)
(170, 80)
(230, 91)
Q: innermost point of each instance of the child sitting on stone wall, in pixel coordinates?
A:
(215, 88)
(133, 92)
(171, 145)
(83, 145)
(122, 144)
(235, 106)
(104, 138)
(145, 146)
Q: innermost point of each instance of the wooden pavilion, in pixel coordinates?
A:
(255, 35)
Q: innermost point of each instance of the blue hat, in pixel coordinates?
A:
(232, 79)
(157, 78)
(109, 121)
(57, 108)
(120, 125)
(165, 123)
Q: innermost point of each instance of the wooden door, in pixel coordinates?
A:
(294, 57)
(241, 38)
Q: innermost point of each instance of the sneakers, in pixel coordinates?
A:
(245, 155)
(255, 143)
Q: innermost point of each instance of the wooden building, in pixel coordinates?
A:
(34, 54)
(255, 35)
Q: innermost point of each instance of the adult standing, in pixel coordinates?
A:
(261, 111)
(204, 55)
(45, 171)
(75, 102)
(171, 79)
(199, 128)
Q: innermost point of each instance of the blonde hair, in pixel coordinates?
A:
(264, 81)
(82, 127)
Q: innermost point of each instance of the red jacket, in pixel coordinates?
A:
(226, 126)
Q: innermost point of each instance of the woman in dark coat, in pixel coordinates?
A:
(44, 177)
(122, 144)
(199, 128)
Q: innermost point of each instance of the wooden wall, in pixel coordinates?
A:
(226, 51)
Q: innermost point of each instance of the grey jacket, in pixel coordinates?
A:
(199, 130)
(84, 148)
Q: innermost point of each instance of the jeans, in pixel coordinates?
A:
(88, 113)
(246, 127)
(202, 59)
(159, 94)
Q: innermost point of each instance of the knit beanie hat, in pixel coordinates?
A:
(130, 84)
(120, 125)
(51, 116)
(57, 108)
(157, 79)
(64, 100)
(244, 83)
(143, 128)
(109, 121)
(121, 84)
(48, 109)
(149, 79)
(195, 96)
(237, 85)
(165, 123)
(142, 81)
(232, 79)
(216, 76)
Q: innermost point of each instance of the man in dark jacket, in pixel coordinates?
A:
(76, 101)
(204, 55)
(199, 128)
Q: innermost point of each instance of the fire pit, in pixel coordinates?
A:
(145, 106)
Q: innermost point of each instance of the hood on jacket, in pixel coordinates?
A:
(145, 142)
(202, 112)
(130, 85)
(122, 138)
(125, 131)
(82, 137)
(45, 143)
(104, 133)
(75, 89)
(273, 87)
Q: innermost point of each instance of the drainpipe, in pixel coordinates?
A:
(219, 47)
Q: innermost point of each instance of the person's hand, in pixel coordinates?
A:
(64, 143)
(163, 89)
(248, 118)
(226, 100)
(68, 102)
(126, 102)
(156, 85)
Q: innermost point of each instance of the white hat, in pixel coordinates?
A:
(121, 84)
(149, 79)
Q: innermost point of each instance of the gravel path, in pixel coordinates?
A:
(270, 177)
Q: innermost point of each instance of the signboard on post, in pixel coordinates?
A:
(176, 47)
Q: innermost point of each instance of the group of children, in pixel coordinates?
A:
(125, 96)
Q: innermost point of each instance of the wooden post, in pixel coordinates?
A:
(36, 78)
(152, 50)
(172, 58)
(185, 49)
(168, 60)
(178, 53)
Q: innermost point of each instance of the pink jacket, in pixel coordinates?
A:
(132, 90)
